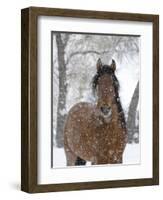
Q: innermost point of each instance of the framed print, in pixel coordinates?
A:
(90, 99)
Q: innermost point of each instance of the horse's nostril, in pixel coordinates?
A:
(105, 110)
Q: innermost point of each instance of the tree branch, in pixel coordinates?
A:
(84, 53)
(66, 39)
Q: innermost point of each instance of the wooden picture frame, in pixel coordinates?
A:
(29, 110)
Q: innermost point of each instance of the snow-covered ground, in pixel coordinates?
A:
(130, 156)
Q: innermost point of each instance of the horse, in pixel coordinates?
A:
(97, 132)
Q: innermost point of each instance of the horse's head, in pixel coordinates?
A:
(106, 85)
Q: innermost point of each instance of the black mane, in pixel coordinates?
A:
(106, 69)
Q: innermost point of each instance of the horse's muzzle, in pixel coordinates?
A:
(106, 111)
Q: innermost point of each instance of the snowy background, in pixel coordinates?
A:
(74, 58)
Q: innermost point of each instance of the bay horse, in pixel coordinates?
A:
(97, 132)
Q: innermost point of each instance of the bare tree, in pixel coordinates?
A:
(131, 127)
(61, 109)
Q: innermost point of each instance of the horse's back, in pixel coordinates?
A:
(80, 106)
(78, 126)
(79, 113)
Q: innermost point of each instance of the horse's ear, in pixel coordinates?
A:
(113, 65)
(99, 64)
